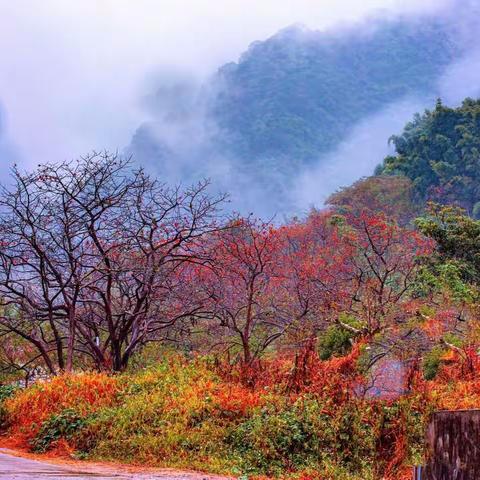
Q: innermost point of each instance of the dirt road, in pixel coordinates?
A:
(18, 468)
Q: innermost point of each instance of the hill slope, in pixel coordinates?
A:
(439, 152)
(300, 92)
(289, 100)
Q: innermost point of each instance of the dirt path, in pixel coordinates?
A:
(20, 468)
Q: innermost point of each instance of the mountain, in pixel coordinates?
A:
(289, 100)
(300, 92)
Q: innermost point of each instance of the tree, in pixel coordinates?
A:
(386, 265)
(457, 237)
(391, 195)
(244, 263)
(90, 254)
(316, 274)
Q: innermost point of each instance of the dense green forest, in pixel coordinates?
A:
(293, 97)
(299, 93)
(440, 152)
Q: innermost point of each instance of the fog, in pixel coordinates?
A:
(82, 75)
(356, 157)
(367, 145)
(73, 73)
(462, 79)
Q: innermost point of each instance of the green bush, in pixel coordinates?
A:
(431, 363)
(335, 341)
(272, 442)
(63, 425)
(6, 391)
(302, 435)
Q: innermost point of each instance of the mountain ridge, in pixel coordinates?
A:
(290, 99)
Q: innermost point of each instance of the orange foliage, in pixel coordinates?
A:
(288, 377)
(439, 324)
(237, 399)
(295, 375)
(84, 392)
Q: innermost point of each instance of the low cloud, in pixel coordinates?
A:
(76, 77)
(73, 72)
(356, 157)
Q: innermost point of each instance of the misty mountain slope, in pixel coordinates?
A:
(288, 102)
(299, 93)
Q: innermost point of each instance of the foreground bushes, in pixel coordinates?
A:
(168, 415)
(303, 425)
(28, 410)
(304, 435)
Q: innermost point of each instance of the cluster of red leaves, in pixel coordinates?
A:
(235, 399)
(335, 378)
(85, 393)
(295, 375)
(437, 325)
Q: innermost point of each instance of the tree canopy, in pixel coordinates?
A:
(439, 152)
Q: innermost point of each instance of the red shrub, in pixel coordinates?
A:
(84, 392)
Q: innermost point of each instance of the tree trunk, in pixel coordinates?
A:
(71, 340)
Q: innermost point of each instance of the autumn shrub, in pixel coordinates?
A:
(174, 414)
(302, 419)
(311, 432)
(84, 393)
(400, 431)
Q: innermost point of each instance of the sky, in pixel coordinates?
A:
(74, 74)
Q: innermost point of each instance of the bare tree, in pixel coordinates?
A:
(91, 256)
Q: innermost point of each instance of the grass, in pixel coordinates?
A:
(189, 414)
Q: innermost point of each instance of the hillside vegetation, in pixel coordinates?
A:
(437, 159)
(301, 421)
(439, 152)
(169, 334)
(291, 98)
(299, 93)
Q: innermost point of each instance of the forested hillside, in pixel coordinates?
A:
(298, 94)
(291, 98)
(439, 152)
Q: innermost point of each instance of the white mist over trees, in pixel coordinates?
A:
(101, 87)
(300, 114)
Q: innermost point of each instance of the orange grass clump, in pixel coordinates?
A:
(84, 392)
(237, 399)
